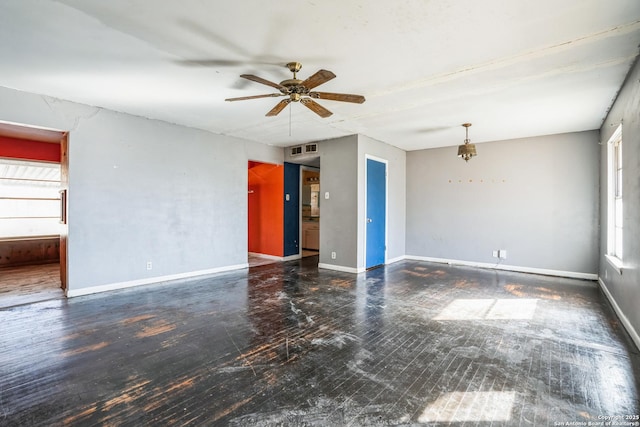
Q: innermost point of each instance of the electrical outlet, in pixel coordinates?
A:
(502, 253)
(495, 254)
(333, 255)
(149, 265)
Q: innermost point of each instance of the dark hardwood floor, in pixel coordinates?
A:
(287, 344)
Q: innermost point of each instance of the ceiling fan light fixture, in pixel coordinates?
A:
(467, 150)
(300, 91)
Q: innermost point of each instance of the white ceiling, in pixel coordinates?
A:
(514, 68)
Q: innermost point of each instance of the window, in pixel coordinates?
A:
(615, 226)
(29, 198)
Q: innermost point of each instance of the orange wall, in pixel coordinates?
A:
(266, 208)
(29, 150)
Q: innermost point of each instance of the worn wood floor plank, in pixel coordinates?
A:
(287, 344)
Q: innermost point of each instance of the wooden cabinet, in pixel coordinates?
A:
(311, 235)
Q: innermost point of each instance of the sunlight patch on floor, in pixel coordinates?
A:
(489, 309)
(463, 406)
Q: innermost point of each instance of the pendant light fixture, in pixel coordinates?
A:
(467, 150)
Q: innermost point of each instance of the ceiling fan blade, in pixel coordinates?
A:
(344, 97)
(279, 107)
(315, 107)
(242, 98)
(318, 78)
(263, 81)
(210, 62)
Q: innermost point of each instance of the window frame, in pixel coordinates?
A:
(28, 198)
(615, 201)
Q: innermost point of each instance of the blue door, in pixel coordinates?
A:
(291, 209)
(376, 212)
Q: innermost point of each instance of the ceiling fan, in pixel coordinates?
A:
(300, 90)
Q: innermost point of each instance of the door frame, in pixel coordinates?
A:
(64, 212)
(303, 168)
(54, 136)
(386, 204)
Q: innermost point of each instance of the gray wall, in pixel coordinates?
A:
(537, 198)
(144, 190)
(343, 215)
(339, 214)
(624, 289)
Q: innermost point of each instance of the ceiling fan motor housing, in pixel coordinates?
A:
(294, 89)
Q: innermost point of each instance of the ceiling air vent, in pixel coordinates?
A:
(296, 151)
(311, 148)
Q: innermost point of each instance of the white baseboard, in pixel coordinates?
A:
(359, 269)
(625, 321)
(397, 259)
(147, 281)
(276, 258)
(341, 268)
(542, 271)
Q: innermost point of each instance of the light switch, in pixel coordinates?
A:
(287, 197)
(326, 195)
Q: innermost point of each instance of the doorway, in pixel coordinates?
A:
(376, 206)
(266, 213)
(33, 229)
(310, 209)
